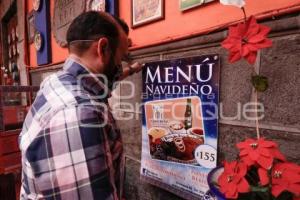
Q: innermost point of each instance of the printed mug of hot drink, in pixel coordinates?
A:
(197, 131)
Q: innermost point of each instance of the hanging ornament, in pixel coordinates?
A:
(237, 3)
(14, 50)
(13, 34)
(95, 5)
(16, 34)
(36, 4)
(38, 41)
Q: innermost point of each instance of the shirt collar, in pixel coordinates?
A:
(89, 81)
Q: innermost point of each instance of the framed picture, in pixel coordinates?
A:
(30, 26)
(146, 11)
(188, 4)
(110, 6)
(96, 5)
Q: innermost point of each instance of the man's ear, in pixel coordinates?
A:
(102, 47)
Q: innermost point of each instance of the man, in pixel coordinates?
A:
(71, 148)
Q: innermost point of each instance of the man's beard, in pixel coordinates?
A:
(112, 73)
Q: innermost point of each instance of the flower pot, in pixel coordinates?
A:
(212, 178)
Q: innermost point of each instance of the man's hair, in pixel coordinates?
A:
(122, 23)
(91, 25)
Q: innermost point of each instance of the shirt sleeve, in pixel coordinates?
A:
(70, 159)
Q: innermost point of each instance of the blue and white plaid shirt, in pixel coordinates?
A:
(71, 148)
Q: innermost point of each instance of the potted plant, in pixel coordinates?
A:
(261, 171)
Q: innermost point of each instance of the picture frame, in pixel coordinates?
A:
(31, 26)
(189, 4)
(96, 5)
(110, 6)
(146, 11)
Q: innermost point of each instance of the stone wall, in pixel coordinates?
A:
(281, 64)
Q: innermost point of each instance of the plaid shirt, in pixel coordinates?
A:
(71, 148)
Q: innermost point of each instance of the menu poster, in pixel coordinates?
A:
(180, 124)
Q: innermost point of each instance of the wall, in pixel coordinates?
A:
(199, 20)
(196, 21)
(281, 64)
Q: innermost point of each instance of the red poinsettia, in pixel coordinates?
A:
(232, 181)
(261, 152)
(245, 39)
(286, 177)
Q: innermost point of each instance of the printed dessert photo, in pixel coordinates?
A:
(175, 129)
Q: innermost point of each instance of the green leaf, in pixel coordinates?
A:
(259, 189)
(260, 83)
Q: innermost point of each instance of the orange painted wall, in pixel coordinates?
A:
(201, 19)
(177, 24)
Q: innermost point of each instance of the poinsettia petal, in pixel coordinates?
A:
(240, 30)
(277, 190)
(256, 39)
(292, 177)
(233, 164)
(222, 180)
(241, 145)
(294, 188)
(232, 31)
(278, 155)
(263, 176)
(223, 189)
(233, 57)
(264, 44)
(245, 50)
(265, 152)
(242, 167)
(264, 30)
(254, 155)
(243, 152)
(243, 186)
(247, 160)
(228, 43)
(236, 48)
(278, 181)
(246, 143)
(232, 192)
(227, 168)
(265, 162)
(252, 47)
(252, 27)
(266, 143)
(251, 57)
(292, 166)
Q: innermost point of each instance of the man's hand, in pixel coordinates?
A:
(136, 67)
(131, 69)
